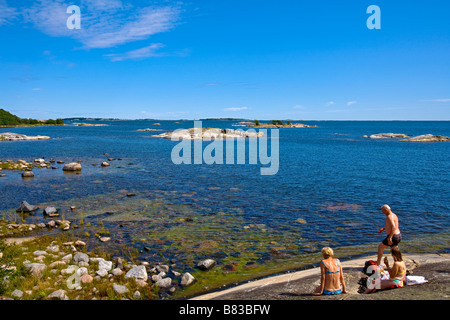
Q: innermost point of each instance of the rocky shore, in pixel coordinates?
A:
(209, 133)
(61, 268)
(409, 138)
(9, 136)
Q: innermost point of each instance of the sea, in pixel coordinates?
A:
(330, 185)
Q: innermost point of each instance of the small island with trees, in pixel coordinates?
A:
(274, 124)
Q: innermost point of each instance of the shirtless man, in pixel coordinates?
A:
(392, 229)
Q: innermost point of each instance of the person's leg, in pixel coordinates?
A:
(387, 284)
(381, 248)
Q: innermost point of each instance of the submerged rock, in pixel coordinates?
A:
(50, 211)
(26, 207)
(27, 174)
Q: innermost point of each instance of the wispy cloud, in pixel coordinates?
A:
(236, 109)
(436, 100)
(104, 23)
(26, 78)
(329, 103)
(7, 13)
(351, 103)
(298, 107)
(146, 52)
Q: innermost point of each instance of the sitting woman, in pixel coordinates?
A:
(397, 273)
(332, 276)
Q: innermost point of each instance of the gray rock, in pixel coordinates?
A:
(106, 265)
(187, 279)
(138, 273)
(39, 253)
(27, 174)
(164, 283)
(73, 166)
(206, 264)
(50, 210)
(17, 293)
(26, 207)
(117, 272)
(36, 268)
(136, 295)
(67, 258)
(79, 257)
(119, 289)
(53, 248)
(427, 138)
(58, 295)
(82, 271)
(102, 273)
(162, 268)
(388, 136)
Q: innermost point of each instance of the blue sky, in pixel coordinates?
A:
(302, 60)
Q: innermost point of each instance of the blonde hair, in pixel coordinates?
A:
(327, 252)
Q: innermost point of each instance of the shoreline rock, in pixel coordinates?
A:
(209, 133)
(10, 136)
(73, 166)
(409, 138)
(427, 138)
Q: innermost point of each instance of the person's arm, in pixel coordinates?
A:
(344, 289)
(322, 280)
(381, 230)
(392, 271)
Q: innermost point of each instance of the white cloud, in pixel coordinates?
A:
(7, 14)
(298, 107)
(329, 103)
(236, 109)
(104, 23)
(351, 103)
(437, 100)
(146, 52)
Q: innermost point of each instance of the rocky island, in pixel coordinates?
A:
(274, 124)
(9, 136)
(209, 133)
(409, 138)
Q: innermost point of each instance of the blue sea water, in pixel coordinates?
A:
(330, 176)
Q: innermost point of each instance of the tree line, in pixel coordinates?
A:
(9, 119)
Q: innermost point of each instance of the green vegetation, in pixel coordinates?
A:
(257, 124)
(277, 122)
(9, 119)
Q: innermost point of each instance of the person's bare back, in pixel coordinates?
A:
(391, 225)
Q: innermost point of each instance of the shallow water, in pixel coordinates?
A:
(328, 191)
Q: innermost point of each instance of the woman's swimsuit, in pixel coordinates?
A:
(332, 292)
(398, 282)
